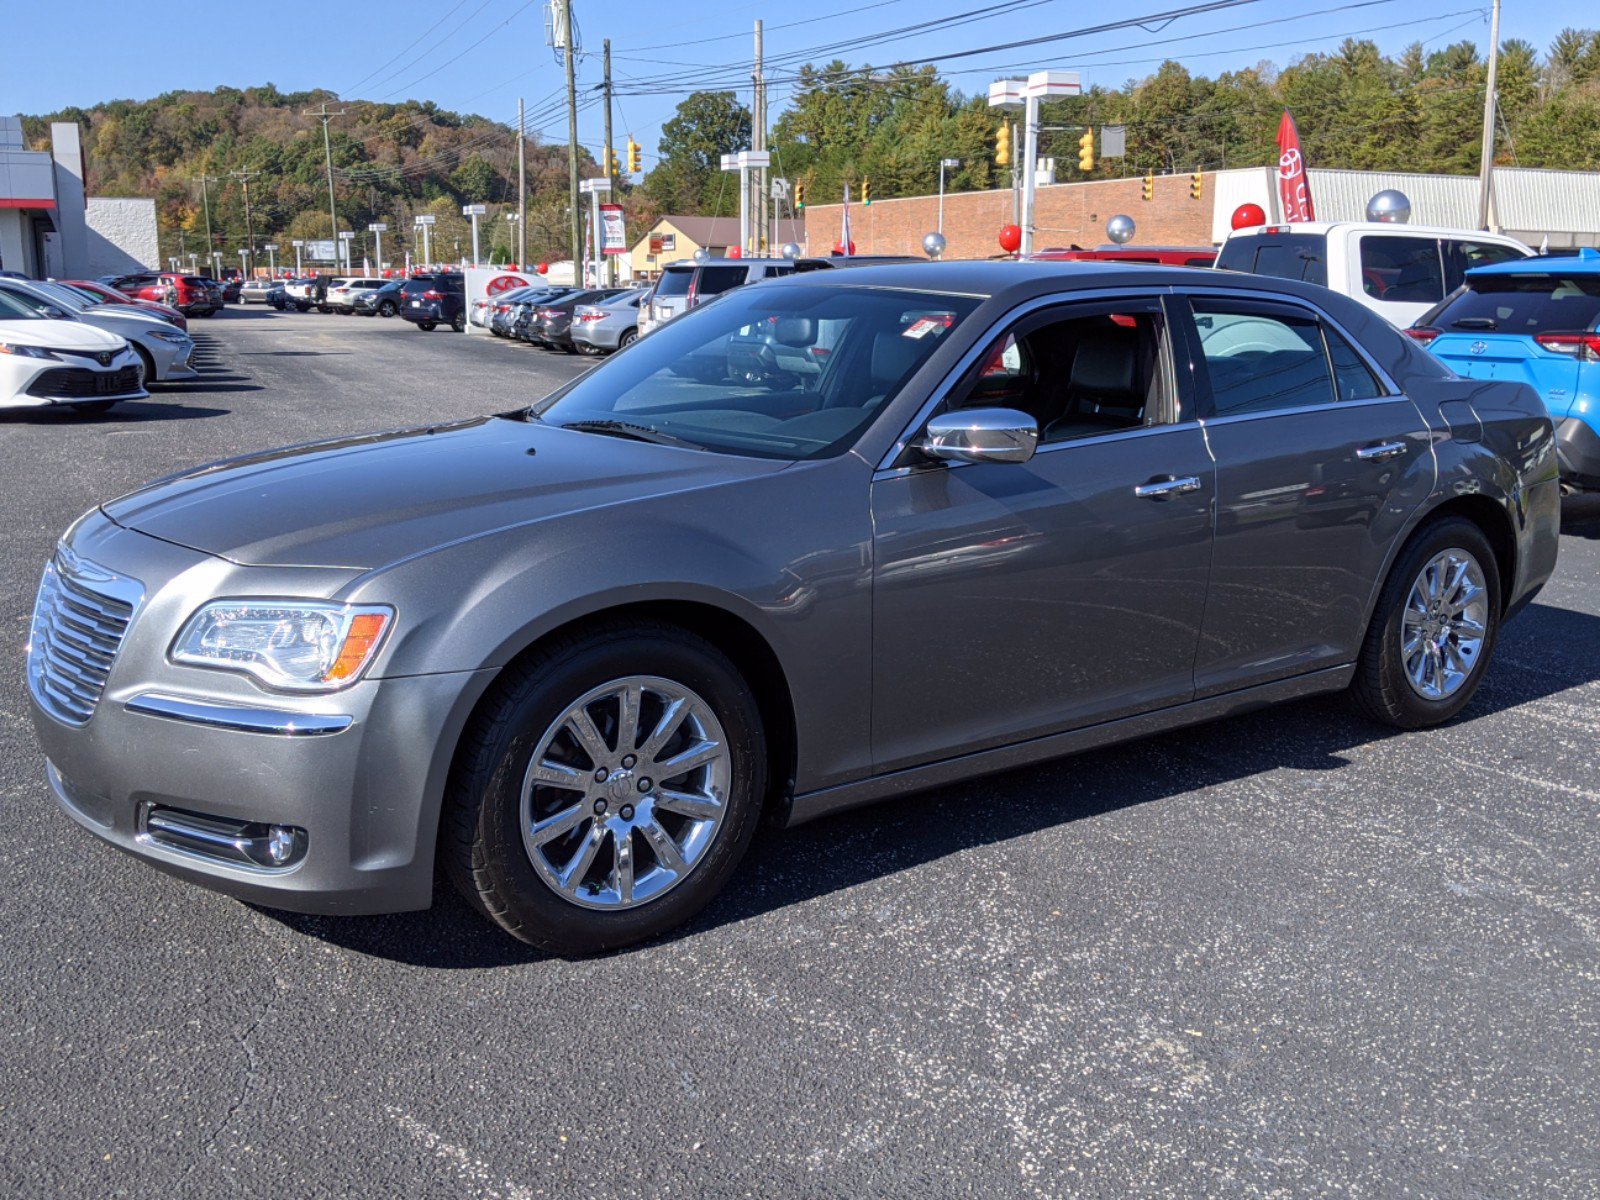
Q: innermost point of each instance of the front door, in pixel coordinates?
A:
(1016, 600)
(1319, 464)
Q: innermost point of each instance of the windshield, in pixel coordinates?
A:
(63, 296)
(91, 298)
(786, 372)
(12, 309)
(1525, 304)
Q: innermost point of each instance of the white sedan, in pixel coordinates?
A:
(47, 362)
(163, 350)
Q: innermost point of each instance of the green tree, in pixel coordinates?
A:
(688, 178)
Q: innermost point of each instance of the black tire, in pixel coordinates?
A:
(427, 326)
(94, 408)
(387, 309)
(302, 307)
(459, 322)
(629, 336)
(1381, 690)
(480, 838)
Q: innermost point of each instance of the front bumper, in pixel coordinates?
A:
(361, 771)
(23, 382)
(171, 359)
(1578, 451)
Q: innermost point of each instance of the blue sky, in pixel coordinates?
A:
(480, 55)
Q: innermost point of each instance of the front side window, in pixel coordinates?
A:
(1077, 372)
(783, 372)
(1260, 358)
(1403, 270)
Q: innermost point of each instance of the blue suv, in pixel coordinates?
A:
(1537, 321)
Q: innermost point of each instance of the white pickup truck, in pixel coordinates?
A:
(1400, 271)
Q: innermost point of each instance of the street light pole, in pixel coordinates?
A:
(474, 211)
(943, 163)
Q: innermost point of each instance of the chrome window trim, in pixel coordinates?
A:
(238, 717)
(941, 391)
(1298, 410)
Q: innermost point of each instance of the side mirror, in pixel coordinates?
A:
(981, 435)
(54, 313)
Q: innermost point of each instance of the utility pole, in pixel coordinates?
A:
(325, 116)
(205, 199)
(522, 189)
(244, 177)
(574, 210)
(758, 141)
(611, 158)
(1486, 166)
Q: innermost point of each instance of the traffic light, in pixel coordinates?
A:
(799, 195)
(634, 152)
(1150, 185)
(1086, 151)
(609, 167)
(1197, 185)
(1002, 145)
(866, 191)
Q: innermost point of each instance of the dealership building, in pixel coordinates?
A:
(1561, 207)
(49, 227)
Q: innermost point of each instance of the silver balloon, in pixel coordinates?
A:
(1389, 206)
(791, 249)
(933, 245)
(1120, 229)
(702, 254)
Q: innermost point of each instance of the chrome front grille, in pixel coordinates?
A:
(79, 619)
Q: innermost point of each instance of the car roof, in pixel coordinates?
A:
(1585, 262)
(1279, 228)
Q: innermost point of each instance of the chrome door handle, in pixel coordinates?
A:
(1158, 489)
(1382, 452)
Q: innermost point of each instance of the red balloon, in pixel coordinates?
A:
(838, 248)
(1010, 238)
(735, 252)
(543, 268)
(1248, 215)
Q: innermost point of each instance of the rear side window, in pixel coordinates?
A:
(1353, 378)
(673, 284)
(1403, 270)
(1522, 304)
(716, 280)
(1283, 256)
(1259, 359)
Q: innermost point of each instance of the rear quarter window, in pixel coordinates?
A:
(1287, 256)
(673, 284)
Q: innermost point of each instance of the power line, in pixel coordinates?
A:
(451, 12)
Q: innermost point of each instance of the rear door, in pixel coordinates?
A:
(1320, 463)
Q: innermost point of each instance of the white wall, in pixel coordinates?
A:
(122, 236)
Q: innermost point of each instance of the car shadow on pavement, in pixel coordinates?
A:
(1580, 516)
(843, 851)
(125, 413)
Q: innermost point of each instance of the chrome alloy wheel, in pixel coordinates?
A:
(625, 793)
(1444, 624)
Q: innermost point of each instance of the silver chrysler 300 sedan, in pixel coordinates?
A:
(966, 516)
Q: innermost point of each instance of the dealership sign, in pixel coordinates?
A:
(613, 238)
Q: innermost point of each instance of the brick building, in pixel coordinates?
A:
(1561, 207)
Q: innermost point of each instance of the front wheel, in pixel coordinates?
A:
(607, 789)
(386, 309)
(1433, 630)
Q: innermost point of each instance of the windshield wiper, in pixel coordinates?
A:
(626, 429)
(1476, 323)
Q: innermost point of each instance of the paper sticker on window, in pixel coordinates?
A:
(923, 326)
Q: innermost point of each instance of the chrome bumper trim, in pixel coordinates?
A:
(240, 718)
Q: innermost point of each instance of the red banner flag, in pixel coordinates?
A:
(1294, 189)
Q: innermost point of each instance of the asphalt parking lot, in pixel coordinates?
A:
(1285, 955)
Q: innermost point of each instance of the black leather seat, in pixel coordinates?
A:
(1104, 389)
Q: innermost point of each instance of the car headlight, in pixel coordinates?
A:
(169, 335)
(296, 645)
(25, 351)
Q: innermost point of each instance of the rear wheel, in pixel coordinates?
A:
(1434, 628)
(629, 336)
(427, 326)
(607, 789)
(459, 322)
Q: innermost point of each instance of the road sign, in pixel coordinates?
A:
(474, 210)
(427, 219)
(379, 227)
(270, 246)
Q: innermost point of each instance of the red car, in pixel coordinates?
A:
(109, 295)
(187, 293)
(1171, 256)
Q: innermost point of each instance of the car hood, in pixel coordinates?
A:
(364, 502)
(65, 335)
